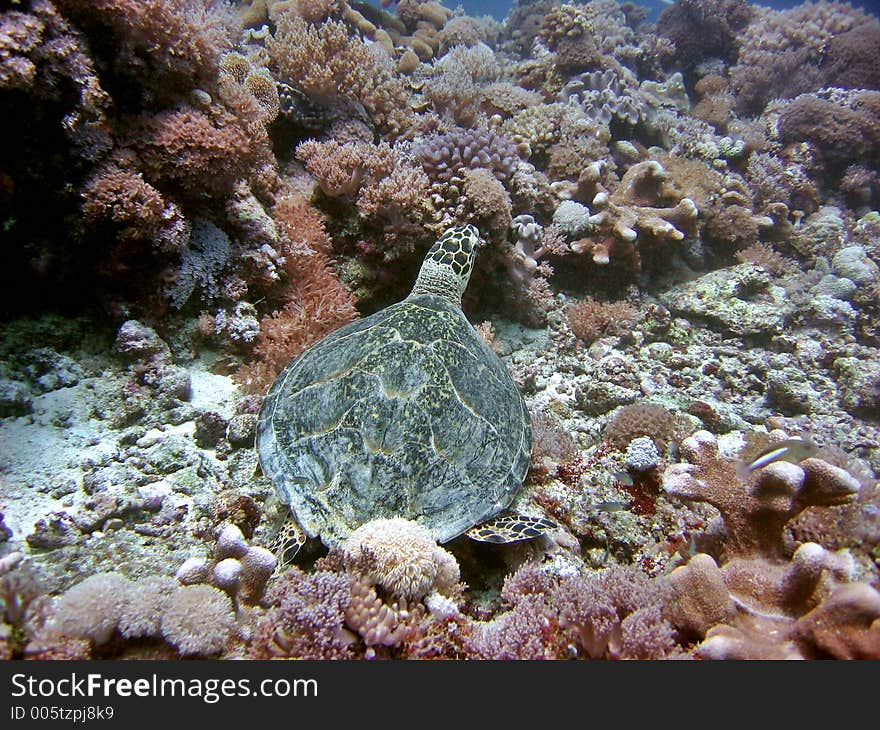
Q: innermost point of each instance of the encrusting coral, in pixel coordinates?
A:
(645, 208)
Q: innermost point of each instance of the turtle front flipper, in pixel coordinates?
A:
(288, 541)
(511, 528)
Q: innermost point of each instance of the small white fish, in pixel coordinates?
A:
(793, 450)
(612, 506)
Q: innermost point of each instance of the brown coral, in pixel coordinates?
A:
(641, 419)
(196, 152)
(314, 303)
(784, 604)
(335, 70)
(590, 319)
(844, 126)
(647, 207)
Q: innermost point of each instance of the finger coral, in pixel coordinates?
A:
(238, 569)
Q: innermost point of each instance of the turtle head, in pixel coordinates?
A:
(448, 264)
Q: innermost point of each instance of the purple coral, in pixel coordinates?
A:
(447, 155)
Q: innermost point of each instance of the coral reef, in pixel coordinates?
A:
(679, 265)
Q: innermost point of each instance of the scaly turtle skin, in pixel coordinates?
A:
(405, 413)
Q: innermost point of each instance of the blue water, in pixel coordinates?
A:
(499, 8)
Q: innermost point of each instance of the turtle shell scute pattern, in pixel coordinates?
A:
(406, 413)
(511, 528)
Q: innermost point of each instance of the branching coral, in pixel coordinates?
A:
(780, 604)
(339, 72)
(646, 207)
(305, 619)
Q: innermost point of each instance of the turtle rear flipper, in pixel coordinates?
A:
(511, 528)
(288, 541)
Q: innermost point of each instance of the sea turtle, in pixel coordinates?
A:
(405, 413)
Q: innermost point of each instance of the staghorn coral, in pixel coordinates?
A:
(401, 557)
